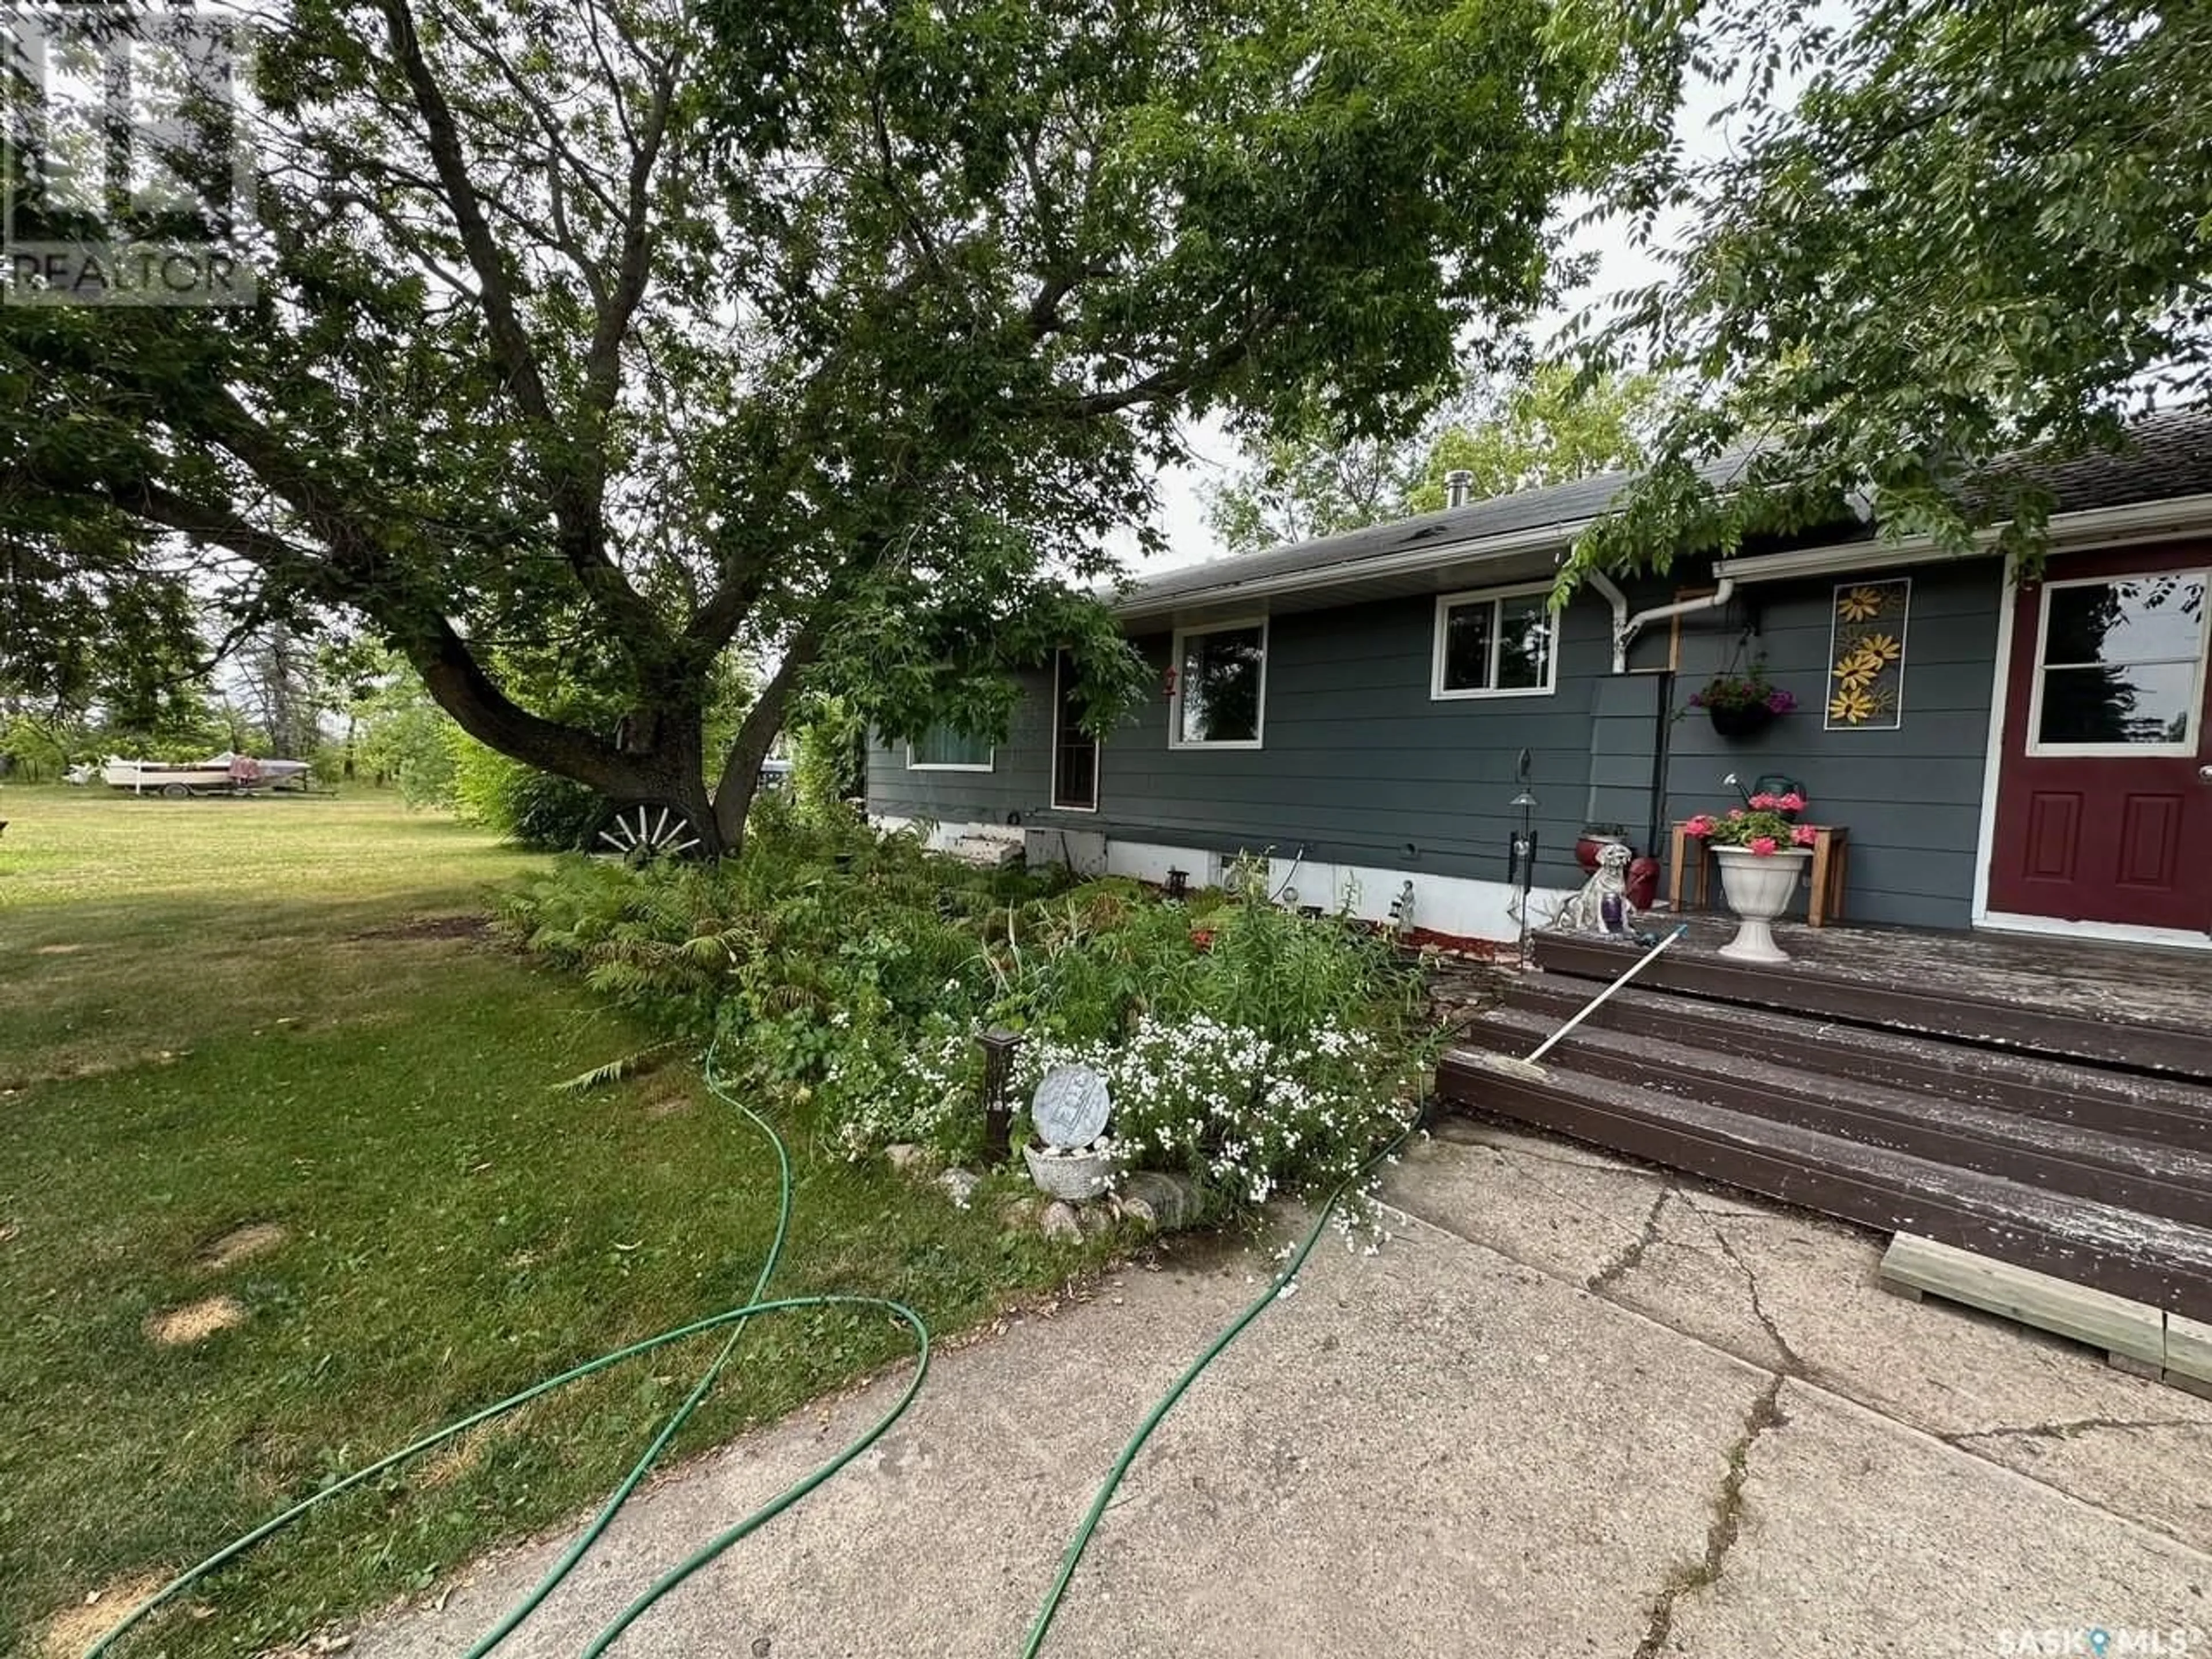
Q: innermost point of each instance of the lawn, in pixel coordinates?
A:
(259, 1050)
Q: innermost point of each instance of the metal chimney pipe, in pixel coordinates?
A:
(1459, 486)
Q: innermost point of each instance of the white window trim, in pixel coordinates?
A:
(1445, 602)
(1175, 739)
(2039, 750)
(914, 765)
(1097, 748)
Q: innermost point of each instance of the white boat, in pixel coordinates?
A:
(219, 775)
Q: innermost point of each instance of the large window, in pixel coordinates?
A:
(941, 749)
(1502, 643)
(2119, 664)
(1220, 686)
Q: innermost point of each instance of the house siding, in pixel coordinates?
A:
(1359, 764)
(1913, 797)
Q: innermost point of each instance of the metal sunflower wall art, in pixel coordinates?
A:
(1866, 655)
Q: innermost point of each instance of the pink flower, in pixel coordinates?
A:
(1792, 802)
(1700, 826)
(1736, 812)
(1762, 845)
(1766, 803)
(1804, 835)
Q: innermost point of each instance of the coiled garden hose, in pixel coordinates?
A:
(735, 1320)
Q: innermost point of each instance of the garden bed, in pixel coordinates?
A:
(1250, 1048)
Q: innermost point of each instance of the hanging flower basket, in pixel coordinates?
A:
(1745, 720)
(1742, 705)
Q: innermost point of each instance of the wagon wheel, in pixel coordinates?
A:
(638, 832)
(176, 791)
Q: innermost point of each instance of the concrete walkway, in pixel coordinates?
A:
(1574, 1407)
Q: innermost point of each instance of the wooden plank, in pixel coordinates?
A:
(2188, 1354)
(2122, 1327)
(2057, 1155)
(1806, 988)
(2165, 1110)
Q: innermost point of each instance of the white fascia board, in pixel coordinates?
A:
(1412, 561)
(2095, 526)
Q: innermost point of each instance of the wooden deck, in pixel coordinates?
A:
(2044, 1104)
(2144, 1008)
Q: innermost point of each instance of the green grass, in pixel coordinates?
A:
(225, 1012)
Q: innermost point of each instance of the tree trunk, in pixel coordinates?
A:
(741, 766)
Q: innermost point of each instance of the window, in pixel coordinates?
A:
(2117, 667)
(1220, 685)
(941, 749)
(1074, 751)
(1497, 644)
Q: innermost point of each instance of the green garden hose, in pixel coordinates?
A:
(735, 1320)
(1259, 1304)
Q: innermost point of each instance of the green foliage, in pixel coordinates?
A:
(827, 759)
(1552, 427)
(1976, 230)
(1549, 426)
(516, 801)
(858, 972)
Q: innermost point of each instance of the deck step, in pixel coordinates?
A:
(2160, 1109)
(2151, 1258)
(2067, 1155)
(1937, 1008)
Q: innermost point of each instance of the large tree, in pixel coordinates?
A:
(1548, 425)
(1944, 230)
(834, 335)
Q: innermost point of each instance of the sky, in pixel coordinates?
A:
(1621, 266)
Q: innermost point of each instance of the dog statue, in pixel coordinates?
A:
(1602, 908)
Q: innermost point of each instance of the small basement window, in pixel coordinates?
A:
(941, 749)
(1501, 643)
(1220, 686)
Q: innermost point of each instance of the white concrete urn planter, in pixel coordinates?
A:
(1073, 1173)
(1757, 887)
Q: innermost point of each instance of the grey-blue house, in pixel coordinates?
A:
(2031, 757)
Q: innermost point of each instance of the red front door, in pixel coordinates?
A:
(2104, 787)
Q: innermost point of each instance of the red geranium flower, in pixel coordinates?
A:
(1762, 845)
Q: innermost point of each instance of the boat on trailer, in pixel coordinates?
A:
(226, 774)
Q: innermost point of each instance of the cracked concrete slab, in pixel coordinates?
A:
(1434, 1414)
(1858, 1535)
(1553, 1204)
(1450, 1447)
(1801, 1293)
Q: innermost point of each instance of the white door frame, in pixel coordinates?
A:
(1985, 840)
(1098, 747)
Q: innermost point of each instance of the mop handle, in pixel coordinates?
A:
(1598, 1001)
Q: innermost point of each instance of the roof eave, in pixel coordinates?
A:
(2069, 532)
(1140, 606)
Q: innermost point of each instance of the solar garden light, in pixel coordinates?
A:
(998, 1045)
(1521, 859)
